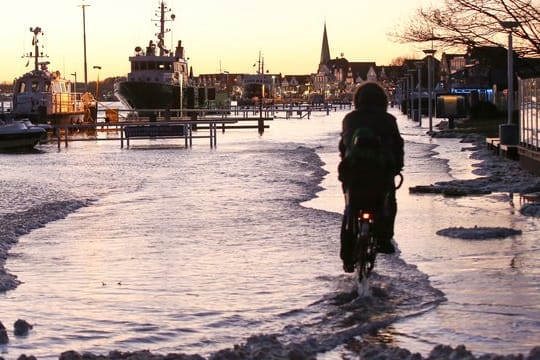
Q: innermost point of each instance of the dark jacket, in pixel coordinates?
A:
(383, 124)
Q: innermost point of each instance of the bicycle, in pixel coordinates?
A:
(361, 222)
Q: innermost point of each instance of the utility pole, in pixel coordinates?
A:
(509, 132)
(261, 73)
(430, 53)
(83, 6)
(419, 65)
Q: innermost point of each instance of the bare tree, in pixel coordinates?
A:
(464, 23)
(399, 61)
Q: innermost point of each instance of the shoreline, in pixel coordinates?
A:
(496, 173)
(22, 223)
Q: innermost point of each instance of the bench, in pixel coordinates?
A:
(154, 130)
(508, 151)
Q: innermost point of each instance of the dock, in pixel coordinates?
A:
(303, 110)
(186, 124)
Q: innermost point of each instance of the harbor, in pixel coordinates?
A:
(168, 193)
(115, 122)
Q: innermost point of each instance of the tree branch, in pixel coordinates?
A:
(464, 23)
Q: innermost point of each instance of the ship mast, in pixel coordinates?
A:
(35, 41)
(163, 10)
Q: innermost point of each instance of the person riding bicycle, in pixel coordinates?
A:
(370, 113)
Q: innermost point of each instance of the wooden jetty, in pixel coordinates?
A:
(289, 109)
(186, 124)
(162, 124)
(132, 130)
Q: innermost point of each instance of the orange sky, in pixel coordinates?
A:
(217, 35)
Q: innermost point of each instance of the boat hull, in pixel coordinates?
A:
(147, 95)
(25, 139)
(147, 98)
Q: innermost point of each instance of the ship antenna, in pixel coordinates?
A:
(162, 30)
(35, 42)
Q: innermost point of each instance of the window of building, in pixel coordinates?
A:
(22, 87)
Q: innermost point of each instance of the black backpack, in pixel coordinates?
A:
(368, 164)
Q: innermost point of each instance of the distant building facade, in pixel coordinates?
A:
(337, 78)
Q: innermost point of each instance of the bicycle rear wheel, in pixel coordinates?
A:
(365, 247)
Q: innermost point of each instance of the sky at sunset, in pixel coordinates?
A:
(218, 35)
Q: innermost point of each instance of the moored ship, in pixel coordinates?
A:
(42, 96)
(159, 77)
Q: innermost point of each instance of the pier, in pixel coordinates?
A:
(290, 110)
(132, 130)
(184, 124)
(159, 124)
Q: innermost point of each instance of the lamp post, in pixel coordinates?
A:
(98, 68)
(273, 89)
(261, 73)
(97, 91)
(226, 81)
(419, 65)
(411, 88)
(181, 94)
(83, 6)
(408, 93)
(430, 53)
(403, 95)
(75, 83)
(508, 133)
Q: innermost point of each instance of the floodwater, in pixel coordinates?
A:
(170, 249)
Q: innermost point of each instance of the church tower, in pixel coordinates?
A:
(324, 74)
(325, 50)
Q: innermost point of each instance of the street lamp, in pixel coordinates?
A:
(403, 93)
(75, 83)
(430, 53)
(226, 81)
(419, 65)
(273, 89)
(97, 82)
(97, 90)
(508, 133)
(509, 25)
(410, 110)
(407, 94)
(83, 6)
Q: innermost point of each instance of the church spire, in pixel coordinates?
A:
(325, 51)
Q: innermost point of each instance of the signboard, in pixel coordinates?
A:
(451, 106)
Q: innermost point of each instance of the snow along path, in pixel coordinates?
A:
(496, 173)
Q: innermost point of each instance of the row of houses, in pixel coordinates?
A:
(480, 70)
(480, 74)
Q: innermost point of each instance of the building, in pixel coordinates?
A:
(449, 65)
(336, 78)
(294, 86)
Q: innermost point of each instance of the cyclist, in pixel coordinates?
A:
(370, 103)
